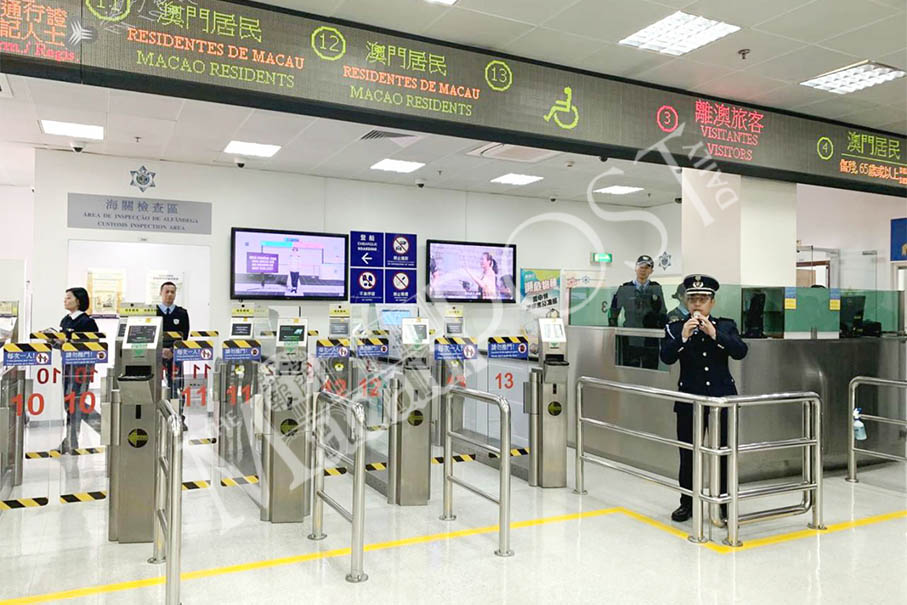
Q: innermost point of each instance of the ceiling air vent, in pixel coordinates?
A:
(5, 91)
(402, 139)
(513, 153)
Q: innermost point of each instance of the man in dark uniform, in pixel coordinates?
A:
(680, 311)
(176, 319)
(643, 304)
(703, 345)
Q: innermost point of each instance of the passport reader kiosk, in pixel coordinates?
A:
(453, 351)
(286, 427)
(132, 445)
(546, 403)
(410, 419)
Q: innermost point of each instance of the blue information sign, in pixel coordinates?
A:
(83, 357)
(370, 350)
(898, 239)
(244, 354)
(366, 286)
(205, 354)
(455, 351)
(366, 249)
(25, 358)
(400, 250)
(399, 286)
(329, 352)
(508, 350)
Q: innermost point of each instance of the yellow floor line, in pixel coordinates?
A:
(340, 552)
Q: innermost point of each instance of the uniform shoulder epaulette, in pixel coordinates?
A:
(654, 283)
(627, 283)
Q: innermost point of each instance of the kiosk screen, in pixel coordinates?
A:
(291, 334)
(241, 330)
(141, 335)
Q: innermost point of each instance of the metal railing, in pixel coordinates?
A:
(852, 449)
(503, 499)
(168, 508)
(810, 441)
(357, 517)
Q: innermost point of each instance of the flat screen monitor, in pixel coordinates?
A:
(141, 335)
(852, 309)
(393, 318)
(288, 265)
(470, 272)
(241, 329)
(292, 333)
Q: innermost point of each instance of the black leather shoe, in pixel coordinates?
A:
(683, 513)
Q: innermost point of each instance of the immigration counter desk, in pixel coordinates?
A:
(800, 339)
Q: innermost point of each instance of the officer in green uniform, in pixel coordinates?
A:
(680, 311)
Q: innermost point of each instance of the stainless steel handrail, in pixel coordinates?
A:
(168, 509)
(852, 449)
(503, 499)
(811, 442)
(356, 517)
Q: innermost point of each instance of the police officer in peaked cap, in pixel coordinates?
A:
(643, 304)
(703, 344)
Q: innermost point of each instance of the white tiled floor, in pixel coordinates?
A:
(610, 558)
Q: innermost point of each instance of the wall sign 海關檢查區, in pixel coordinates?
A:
(87, 211)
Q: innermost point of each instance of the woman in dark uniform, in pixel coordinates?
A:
(76, 378)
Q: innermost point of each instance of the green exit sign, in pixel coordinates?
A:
(601, 257)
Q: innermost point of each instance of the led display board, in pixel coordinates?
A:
(271, 55)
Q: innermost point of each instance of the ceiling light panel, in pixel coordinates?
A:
(256, 150)
(854, 77)
(400, 166)
(517, 179)
(73, 129)
(679, 33)
(618, 190)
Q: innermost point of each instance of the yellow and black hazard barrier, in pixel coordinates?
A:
(515, 452)
(455, 340)
(235, 481)
(362, 342)
(203, 334)
(379, 332)
(47, 335)
(27, 347)
(512, 339)
(376, 466)
(333, 342)
(173, 335)
(333, 472)
(18, 503)
(87, 336)
(240, 344)
(81, 451)
(82, 497)
(203, 441)
(312, 332)
(191, 485)
(193, 344)
(456, 458)
(71, 347)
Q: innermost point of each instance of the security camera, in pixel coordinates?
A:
(240, 162)
(603, 158)
(552, 199)
(678, 200)
(77, 146)
(420, 183)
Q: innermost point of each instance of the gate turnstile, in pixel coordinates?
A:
(132, 430)
(237, 383)
(286, 428)
(12, 425)
(409, 479)
(546, 402)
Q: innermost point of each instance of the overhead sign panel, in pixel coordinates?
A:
(252, 49)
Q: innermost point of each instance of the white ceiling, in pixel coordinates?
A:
(789, 40)
(196, 132)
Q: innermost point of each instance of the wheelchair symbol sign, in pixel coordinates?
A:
(564, 106)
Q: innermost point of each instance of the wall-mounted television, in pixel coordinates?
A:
(268, 264)
(470, 272)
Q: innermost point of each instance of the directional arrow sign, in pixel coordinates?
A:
(366, 249)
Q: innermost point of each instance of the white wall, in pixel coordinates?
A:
(850, 221)
(710, 224)
(768, 232)
(249, 198)
(17, 211)
(670, 217)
